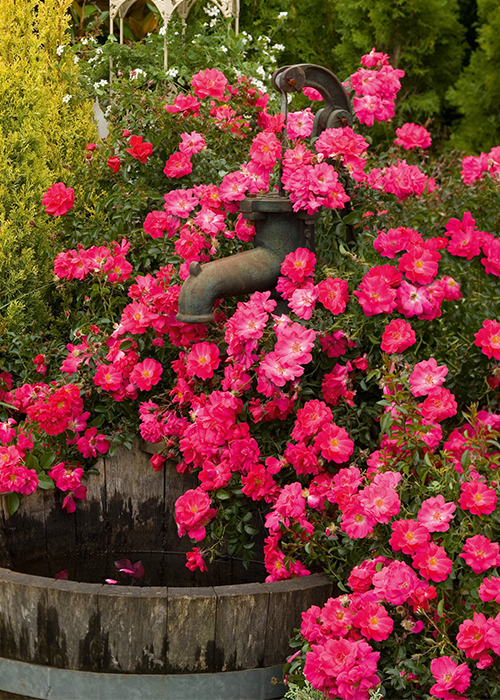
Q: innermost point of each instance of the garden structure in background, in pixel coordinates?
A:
(359, 429)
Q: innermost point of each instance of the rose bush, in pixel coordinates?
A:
(353, 457)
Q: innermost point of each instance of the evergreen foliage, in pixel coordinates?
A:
(422, 37)
(309, 32)
(428, 39)
(476, 94)
(42, 136)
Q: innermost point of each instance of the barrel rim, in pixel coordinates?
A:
(300, 583)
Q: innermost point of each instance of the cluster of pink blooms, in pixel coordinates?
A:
(154, 306)
(124, 374)
(69, 480)
(14, 445)
(310, 182)
(477, 637)
(347, 147)
(384, 290)
(475, 167)
(376, 86)
(179, 163)
(77, 264)
(341, 662)
(296, 285)
(199, 230)
(207, 426)
(334, 631)
(426, 380)
(50, 410)
(401, 180)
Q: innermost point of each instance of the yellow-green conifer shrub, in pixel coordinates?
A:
(45, 124)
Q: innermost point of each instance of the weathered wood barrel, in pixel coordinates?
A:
(174, 635)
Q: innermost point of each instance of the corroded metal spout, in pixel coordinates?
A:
(250, 271)
(279, 231)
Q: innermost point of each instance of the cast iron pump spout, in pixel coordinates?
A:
(279, 230)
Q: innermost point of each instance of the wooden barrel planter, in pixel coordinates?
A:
(173, 635)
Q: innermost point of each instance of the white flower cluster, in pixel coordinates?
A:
(162, 31)
(172, 73)
(96, 56)
(261, 71)
(223, 49)
(212, 10)
(138, 72)
(278, 47)
(67, 98)
(100, 83)
(60, 50)
(283, 15)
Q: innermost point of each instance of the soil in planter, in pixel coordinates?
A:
(41, 539)
(160, 569)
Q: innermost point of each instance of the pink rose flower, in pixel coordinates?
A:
(488, 339)
(412, 136)
(202, 360)
(449, 676)
(209, 83)
(334, 443)
(478, 498)
(333, 294)
(178, 165)
(193, 512)
(195, 560)
(480, 553)
(433, 562)
(427, 376)
(58, 199)
(397, 336)
(146, 374)
(435, 514)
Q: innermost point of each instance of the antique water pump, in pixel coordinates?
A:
(279, 230)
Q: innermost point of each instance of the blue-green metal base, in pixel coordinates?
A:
(48, 683)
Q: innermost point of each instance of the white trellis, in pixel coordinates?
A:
(119, 8)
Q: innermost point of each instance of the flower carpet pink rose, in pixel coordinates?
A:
(449, 676)
(58, 199)
(210, 82)
(193, 512)
(398, 336)
(412, 136)
(488, 338)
